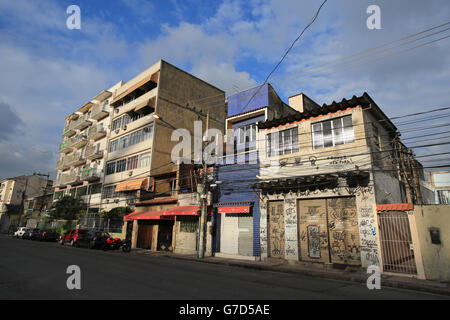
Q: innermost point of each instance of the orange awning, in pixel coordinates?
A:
(395, 207)
(146, 216)
(131, 185)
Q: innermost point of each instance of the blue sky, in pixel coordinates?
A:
(48, 71)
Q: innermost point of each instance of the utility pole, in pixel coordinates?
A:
(405, 176)
(203, 199)
(411, 161)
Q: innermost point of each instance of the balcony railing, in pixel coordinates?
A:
(100, 111)
(93, 152)
(69, 129)
(90, 173)
(72, 177)
(82, 122)
(65, 147)
(78, 141)
(75, 159)
(97, 132)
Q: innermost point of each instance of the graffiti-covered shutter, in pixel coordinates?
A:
(275, 221)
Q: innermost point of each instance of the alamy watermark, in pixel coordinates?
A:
(74, 19)
(374, 20)
(74, 280)
(374, 280)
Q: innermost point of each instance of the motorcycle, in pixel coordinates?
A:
(115, 244)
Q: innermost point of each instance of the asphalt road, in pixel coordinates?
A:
(36, 270)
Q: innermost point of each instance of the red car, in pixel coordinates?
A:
(72, 236)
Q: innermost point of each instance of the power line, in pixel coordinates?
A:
(286, 53)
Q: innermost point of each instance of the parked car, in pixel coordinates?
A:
(47, 235)
(30, 234)
(93, 239)
(20, 231)
(72, 236)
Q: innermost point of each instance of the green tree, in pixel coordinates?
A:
(115, 213)
(67, 208)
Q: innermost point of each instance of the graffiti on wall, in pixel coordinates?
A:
(313, 241)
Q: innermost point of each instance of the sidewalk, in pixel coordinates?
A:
(314, 271)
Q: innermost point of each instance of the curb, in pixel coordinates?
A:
(353, 277)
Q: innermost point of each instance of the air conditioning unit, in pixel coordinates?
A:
(124, 127)
(117, 131)
(130, 173)
(116, 110)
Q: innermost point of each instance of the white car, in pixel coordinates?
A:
(20, 231)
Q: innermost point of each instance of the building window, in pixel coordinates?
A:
(124, 142)
(144, 160)
(116, 124)
(147, 132)
(95, 188)
(247, 133)
(113, 145)
(282, 142)
(132, 162)
(121, 165)
(444, 196)
(109, 192)
(332, 132)
(110, 168)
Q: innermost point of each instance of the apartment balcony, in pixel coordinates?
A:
(75, 159)
(97, 132)
(69, 129)
(78, 141)
(60, 164)
(93, 152)
(65, 147)
(90, 173)
(100, 111)
(145, 100)
(71, 178)
(82, 122)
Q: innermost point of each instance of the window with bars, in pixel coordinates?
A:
(332, 132)
(110, 168)
(132, 162)
(121, 165)
(109, 191)
(282, 142)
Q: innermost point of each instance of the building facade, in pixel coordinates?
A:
(82, 153)
(236, 212)
(140, 170)
(13, 193)
(323, 171)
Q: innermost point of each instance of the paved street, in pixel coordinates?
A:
(35, 270)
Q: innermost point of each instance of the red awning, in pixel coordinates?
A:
(395, 207)
(240, 209)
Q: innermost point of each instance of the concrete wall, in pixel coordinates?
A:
(435, 257)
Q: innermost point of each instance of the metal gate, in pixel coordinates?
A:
(396, 243)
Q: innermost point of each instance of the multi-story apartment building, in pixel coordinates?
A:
(13, 192)
(327, 174)
(139, 168)
(83, 150)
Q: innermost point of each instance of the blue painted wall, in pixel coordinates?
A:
(237, 102)
(232, 190)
